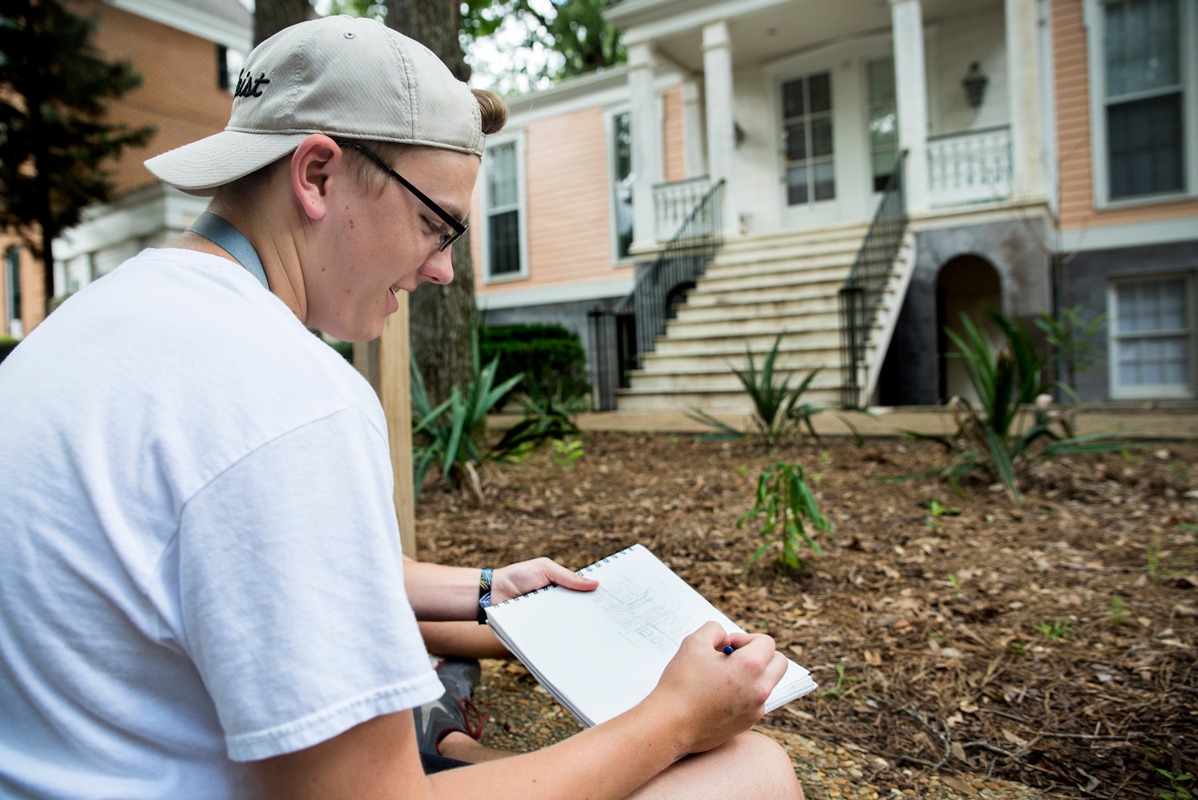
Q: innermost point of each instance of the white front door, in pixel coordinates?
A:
(809, 180)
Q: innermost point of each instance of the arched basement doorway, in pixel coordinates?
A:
(966, 285)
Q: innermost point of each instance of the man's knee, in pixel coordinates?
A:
(769, 763)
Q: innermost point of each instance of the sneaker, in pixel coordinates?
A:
(451, 711)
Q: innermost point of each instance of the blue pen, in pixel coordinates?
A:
(727, 649)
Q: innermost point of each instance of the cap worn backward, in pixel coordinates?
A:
(347, 77)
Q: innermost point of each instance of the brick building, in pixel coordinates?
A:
(184, 50)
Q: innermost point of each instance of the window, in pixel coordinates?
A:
(12, 292)
(622, 180)
(228, 65)
(506, 251)
(1143, 109)
(1152, 338)
(883, 121)
(807, 133)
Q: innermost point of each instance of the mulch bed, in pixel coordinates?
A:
(1050, 644)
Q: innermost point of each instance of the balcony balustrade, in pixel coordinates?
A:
(673, 203)
(970, 167)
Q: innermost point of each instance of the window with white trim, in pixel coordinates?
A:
(12, 292)
(1152, 338)
(622, 180)
(505, 248)
(1143, 99)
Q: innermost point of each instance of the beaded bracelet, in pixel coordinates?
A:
(484, 595)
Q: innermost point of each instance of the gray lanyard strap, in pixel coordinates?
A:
(233, 242)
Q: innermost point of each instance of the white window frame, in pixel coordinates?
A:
(14, 320)
(1096, 66)
(609, 129)
(484, 224)
(1159, 392)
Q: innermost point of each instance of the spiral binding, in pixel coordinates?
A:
(582, 571)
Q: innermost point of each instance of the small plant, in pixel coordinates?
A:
(996, 438)
(446, 435)
(1018, 647)
(743, 470)
(841, 679)
(545, 417)
(1176, 564)
(1117, 613)
(789, 506)
(954, 583)
(566, 453)
(1071, 339)
(1178, 791)
(936, 509)
(777, 411)
(1057, 631)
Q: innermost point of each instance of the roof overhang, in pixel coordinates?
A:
(233, 29)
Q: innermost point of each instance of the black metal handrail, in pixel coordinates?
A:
(864, 288)
(632, 327)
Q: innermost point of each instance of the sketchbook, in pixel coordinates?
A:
(600, 653)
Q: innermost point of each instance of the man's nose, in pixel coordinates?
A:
(439, 267)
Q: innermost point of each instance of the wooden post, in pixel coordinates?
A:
(385, 363)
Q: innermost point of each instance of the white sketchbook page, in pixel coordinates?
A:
(605, 650)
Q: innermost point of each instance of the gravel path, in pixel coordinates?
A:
(524, 717)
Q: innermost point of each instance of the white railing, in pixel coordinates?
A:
(673, 203)
(969, 167)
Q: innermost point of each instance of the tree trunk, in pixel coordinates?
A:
(272, 16)
(441, 316)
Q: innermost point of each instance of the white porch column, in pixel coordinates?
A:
(646, 135)
(1023, 72)
(694, 154)
(911, 85)
(721, 136)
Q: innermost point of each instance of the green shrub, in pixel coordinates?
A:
(6, 346)
(550, 357)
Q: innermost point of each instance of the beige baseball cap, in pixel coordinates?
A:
(347, 77)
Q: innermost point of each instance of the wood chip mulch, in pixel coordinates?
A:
(989, 650)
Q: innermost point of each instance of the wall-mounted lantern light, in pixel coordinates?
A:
(975, 84)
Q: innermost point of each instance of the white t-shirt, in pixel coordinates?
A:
(199, 557)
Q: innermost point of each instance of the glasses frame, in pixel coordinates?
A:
(459, 228)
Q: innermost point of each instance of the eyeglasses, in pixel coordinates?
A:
(447, 238)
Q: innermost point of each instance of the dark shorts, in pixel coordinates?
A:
(434, 763)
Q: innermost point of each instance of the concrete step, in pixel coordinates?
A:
(790, 357)
(786, 238)
(840, 251)
(746, 326)
(725, 380)
(821, 303)
(713, 401)
(773, 280)
(826, 288)
(734, 269)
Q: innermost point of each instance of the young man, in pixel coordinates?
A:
(201, 589)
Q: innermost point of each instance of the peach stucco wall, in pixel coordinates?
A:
(1073, 133)
(566, 174)
(672, 145)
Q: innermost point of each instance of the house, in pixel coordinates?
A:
(186, 51)
(875, 169)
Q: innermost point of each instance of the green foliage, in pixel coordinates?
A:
(446, 435)
(1159, 569)
(576, 29)
(786, 500)
(1117, 613)
(6, 346)
(1071, 339)
(545, 417)
(54, 86)
(566, 453)
(1057, 631)
(550, 357)
(841, 679)
(995, 438)
(777, 411)
(1178, 789)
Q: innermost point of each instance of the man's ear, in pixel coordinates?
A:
(313, 164)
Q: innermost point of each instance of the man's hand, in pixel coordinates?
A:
(528, 576)
(714, 696)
